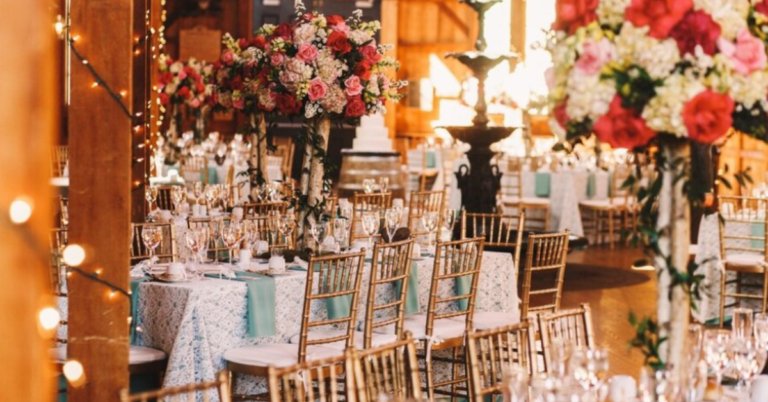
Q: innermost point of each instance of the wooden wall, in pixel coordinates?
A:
(739, 153)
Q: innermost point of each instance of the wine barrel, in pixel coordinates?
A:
(359, 165)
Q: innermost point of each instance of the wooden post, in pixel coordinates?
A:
(100, 196)
(389, 24)
(28, 115)
(141, 96)
(517, 36)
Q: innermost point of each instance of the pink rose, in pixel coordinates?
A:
(228, 57)
(317, 89)
(341, 27)
(276, 59)
(594, 56)
(353, 86)
(239, 103)
(746, 55)
(194, 103)
(307, 53)
(182, 74)
(549, 77)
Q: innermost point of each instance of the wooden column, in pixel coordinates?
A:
(518, 27)
(140, 95)
(28, 114)
(389, 24)
(100, 196)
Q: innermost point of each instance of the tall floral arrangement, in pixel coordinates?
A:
(184, 83)
(671, 71)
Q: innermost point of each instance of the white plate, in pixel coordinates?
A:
(165, 278)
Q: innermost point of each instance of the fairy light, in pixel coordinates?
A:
(95, 84)
(74, 373)
(123, 93)
(49, 318)
(98, 271)
(73, 255)
(20, 210)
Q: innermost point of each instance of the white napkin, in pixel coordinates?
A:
(219, 269)
(261, 247)
(298, 261)
(141, 269)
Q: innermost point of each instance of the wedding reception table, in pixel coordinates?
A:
(196, 322)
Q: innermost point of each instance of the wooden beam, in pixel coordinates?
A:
(100, 196)
(155, 22)
(517, 36)
(141, 95)
(458, 21)
(28, 117)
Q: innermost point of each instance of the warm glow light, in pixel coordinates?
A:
(95, 84)
(112, 294)
(98, 271)
(123, 93)
(75, 38)
(20, 210)
(74, 373)
(73, 255)
(49, 318)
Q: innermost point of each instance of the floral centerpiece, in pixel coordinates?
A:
(671, 71)
(184, 83)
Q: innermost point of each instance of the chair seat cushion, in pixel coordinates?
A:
(483, 320)
(277, 354)
(444, 328)
(137, 355)
(616, 203)
(526, 201)
(376, 339)
(745, 260)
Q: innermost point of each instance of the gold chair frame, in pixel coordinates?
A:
(391, 370)
(297, 383)
(546, 252)
(364, 203)
(616, 215)
(515, 192)
(167, 250)
(184, 392)
(422, 202)
(58, 241)
(500, 234)
(261, 208)
(574, 325)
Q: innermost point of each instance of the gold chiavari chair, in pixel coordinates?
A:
(279, 240)
(337, 276)
(443, 326)
(391, 371)
(330, 206)
(513, 201)
(500, 231)
(164, 200)
(216, 247)
(63, 212)
(573, 326)
(313, 381)
(743, 250)
(59, 159)
(185, 393)
(285, 149)
(165, 252)
(364, 203)
(262, 208)
(58, 269)
(606, 218)
(546, 257)
(420, 203)
(491, 352)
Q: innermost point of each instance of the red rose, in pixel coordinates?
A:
(199, 87)
(369, 53)
(762, 7)
(164, 99)
(572, 14)
(363, 70)
(622, 128)
(355, 107)
(243, 43)
(334, 19)
(284, 31)
(561, 115)
(287, 104)
(708, 116)
(660, 15)
(236, 83)
(260, 42)
(338, 42)
(697, 28)
(184, 93)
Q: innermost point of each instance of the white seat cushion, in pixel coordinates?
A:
(277, 354)
(483, 320)
(605, 203)
(745, 260)
(138, 355)
(525, 200)
(443, 328)
(376, 339)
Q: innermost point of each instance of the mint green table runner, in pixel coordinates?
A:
(260, 308)
(412, 293)
(430, 159)
(542, 184)
(336, 307)
(758, 230)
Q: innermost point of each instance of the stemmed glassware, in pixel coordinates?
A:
(211, 194)
(192, 241)
(151, 236)
(178, 195)
(716, 352)
(204, 241)
(760, 329)
(273, 224)
(318, 230)
(392, 221)
(368, 185)
(742, 323)
(515, 380)
(449, 220)
(150, 194)
(370, 223)
(429, 220)
(231, 236)
(748, 360)
(286, 226)
(590, 368)
(383, 184)
(340, 230)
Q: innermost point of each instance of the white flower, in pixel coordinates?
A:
(328, 67)
(176, 67)
(657, 57)
(373, 87)
(731, 15)
(664, 113)
(358, 37)
(295, 73)
(588, 96)
(611, 12)
(171, 88)
(750, 89)
(304, 34)
(311, 110)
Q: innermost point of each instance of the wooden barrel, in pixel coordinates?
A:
(359, 165)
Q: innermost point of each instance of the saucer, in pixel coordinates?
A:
(166, 277)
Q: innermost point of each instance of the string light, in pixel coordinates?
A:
(20, 210)
(73, 255)
(74, 373)
(49, 318)
(99, 80)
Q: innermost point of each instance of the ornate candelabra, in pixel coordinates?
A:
(480, 182)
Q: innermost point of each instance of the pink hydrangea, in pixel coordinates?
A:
(594, 56)
(746, 55)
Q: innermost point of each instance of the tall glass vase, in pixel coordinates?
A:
(199, 127)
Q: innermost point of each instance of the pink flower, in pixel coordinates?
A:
(276, 59)
(317, 89)
(238, 103)
(746, 55)
(182, 74)
(194, 103)
(549, 77)
(341, 27)
(228, 57)
(307, 53)
(353, 86)
(594, 55)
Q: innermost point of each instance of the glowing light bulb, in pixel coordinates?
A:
(20, 210)
(123, 93)
(95, 84)
(73, 255)
(49, 318)
(74, 373)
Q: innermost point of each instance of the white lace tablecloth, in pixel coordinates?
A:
(196, 322)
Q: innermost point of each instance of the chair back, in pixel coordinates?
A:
(59, 159)
(499, 230)
(490, 353)
(743, 226)
(216, 247)
(164, 200)
(546, 257)
(165, 252)
(338, 276)
(391, 264)
(58, 271)
(420, 203)
(573, 326)
(453, 260)
(205, 391)
(618, 193)
(365, 203)
(312, 381)
(262, 227)
(391, 370)
(261, 208)
(512, 181)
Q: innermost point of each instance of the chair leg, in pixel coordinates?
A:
(610, 229)
(430, 380)
(723, 277)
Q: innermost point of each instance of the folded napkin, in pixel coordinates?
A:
(141, 269)
(299, 263)
(260, 302)
(219, 270)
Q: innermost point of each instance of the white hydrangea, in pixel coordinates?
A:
(657, 57)
(588, 96)
(611, 12)
(731, 15)
(304, 34)
(563, 58)
(750, 89)
(664, 113)
(358, 37)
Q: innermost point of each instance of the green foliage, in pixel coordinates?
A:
(634, 85)
(647, 340)
(753, 122)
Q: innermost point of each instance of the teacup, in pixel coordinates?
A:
(176, 271)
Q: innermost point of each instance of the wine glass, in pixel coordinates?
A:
(590, 368)
(198, 191)
(383, 184)
(748, 360)
(204, 242)
(273, 224)
(192, 241)
(211, 194)
(392, 220)
(370, 225)
(368, 185)
(742, 322)
(151, 236)
(340, 230)
(150, 194)
(716, 352)
(449, 220)
(318, 231)
(231, 236)
(429, 220)
(224, 191)
(286, 226)
(515, 383)
(178, 195)
(760, 329)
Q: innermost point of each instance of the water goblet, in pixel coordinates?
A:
(748, 360)
(742, 322)
(368, 185)
(151, 236)
(204, 241)
(760, 329)
(211, 194)
(515, 383)
(150, 194)
(286, 226)
(590, 368)
(370, 223)
(716, 352)
(178, 195)
(231, 236)
(429, 220)
(273, 224)
(340, 230)
(392, 220)
(192, 241)
(449, 220)
(383, 184)
(318, 231)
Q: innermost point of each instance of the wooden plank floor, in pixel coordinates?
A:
(603, 278)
